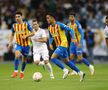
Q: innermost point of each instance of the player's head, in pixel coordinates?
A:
(35, 24)
(50, 18)
(18, 16)
(72, 16)
(106, 20)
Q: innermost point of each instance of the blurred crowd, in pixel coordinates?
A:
(89, 12)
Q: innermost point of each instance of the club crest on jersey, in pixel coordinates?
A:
(20, 32)
(55, 34)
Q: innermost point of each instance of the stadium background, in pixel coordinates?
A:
(90, 13)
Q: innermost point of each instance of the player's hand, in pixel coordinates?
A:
(9, 45)
(36, 40)
(74, 41)
(79, 45)
(23, 37)
(51, 47)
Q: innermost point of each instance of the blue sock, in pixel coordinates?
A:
(73, 61)
(23, 66)
(85, 61)
(72, 66)
(58, 63)
(16, 63)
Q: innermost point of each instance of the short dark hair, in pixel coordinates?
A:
(106, 17)
(34, 20)
(18, 12)
(72, 13)
(51, 14)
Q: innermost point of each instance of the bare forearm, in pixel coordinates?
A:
(11, 38)
(29, 35)
(43, 40)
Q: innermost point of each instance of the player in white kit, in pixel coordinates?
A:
(106, 31)
(40, 48)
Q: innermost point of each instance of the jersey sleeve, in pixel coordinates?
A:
(29, 26)
(12, 29)
(50, 38)
(79, 27)
(67, 28)
(44, 33)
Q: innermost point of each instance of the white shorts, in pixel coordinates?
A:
(106, 33)
(40, 52)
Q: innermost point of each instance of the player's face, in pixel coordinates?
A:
(35, 25)
(106, 21)
(49, 19)
(71, 17)
(18, 17)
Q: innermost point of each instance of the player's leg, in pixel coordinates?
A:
(45, 57)
(106, 40)
(37, 56)
(25, 52)
(55, 60)
(47, 63)
(75, 68)
(84, 60)
(16, 61)
(71, 65)
(72, 51)
(24, 62)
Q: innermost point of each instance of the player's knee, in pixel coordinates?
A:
(52, 57)
(36, 62)
(17, 54)
(79, 58)
(71, 56)
(46, 61)
(66, 60)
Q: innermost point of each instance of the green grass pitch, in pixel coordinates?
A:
(97, 82)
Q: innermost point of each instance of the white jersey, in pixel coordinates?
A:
(38, 35)
(39, 48)
(106, 31)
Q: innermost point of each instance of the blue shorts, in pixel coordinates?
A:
(61, 52)
(23, 49)
(74, 49)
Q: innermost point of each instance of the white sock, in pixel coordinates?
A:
(64, 70)
(21, 71)
(41, 63)
(90, 66)
(49, 68)
(80, 72)
(16, 71)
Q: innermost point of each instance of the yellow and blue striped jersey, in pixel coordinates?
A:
(58, 33)
(79, 35)
(21, 30)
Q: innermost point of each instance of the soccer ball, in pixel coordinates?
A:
(37, 76)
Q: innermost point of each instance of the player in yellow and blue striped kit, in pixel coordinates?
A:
(77, 49)
(57, 31)
(21, 30)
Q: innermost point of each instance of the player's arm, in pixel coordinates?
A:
(31, 32)
(43, 39)
(79, 27)
(11, 36)
(67, 28)
(50, 41)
